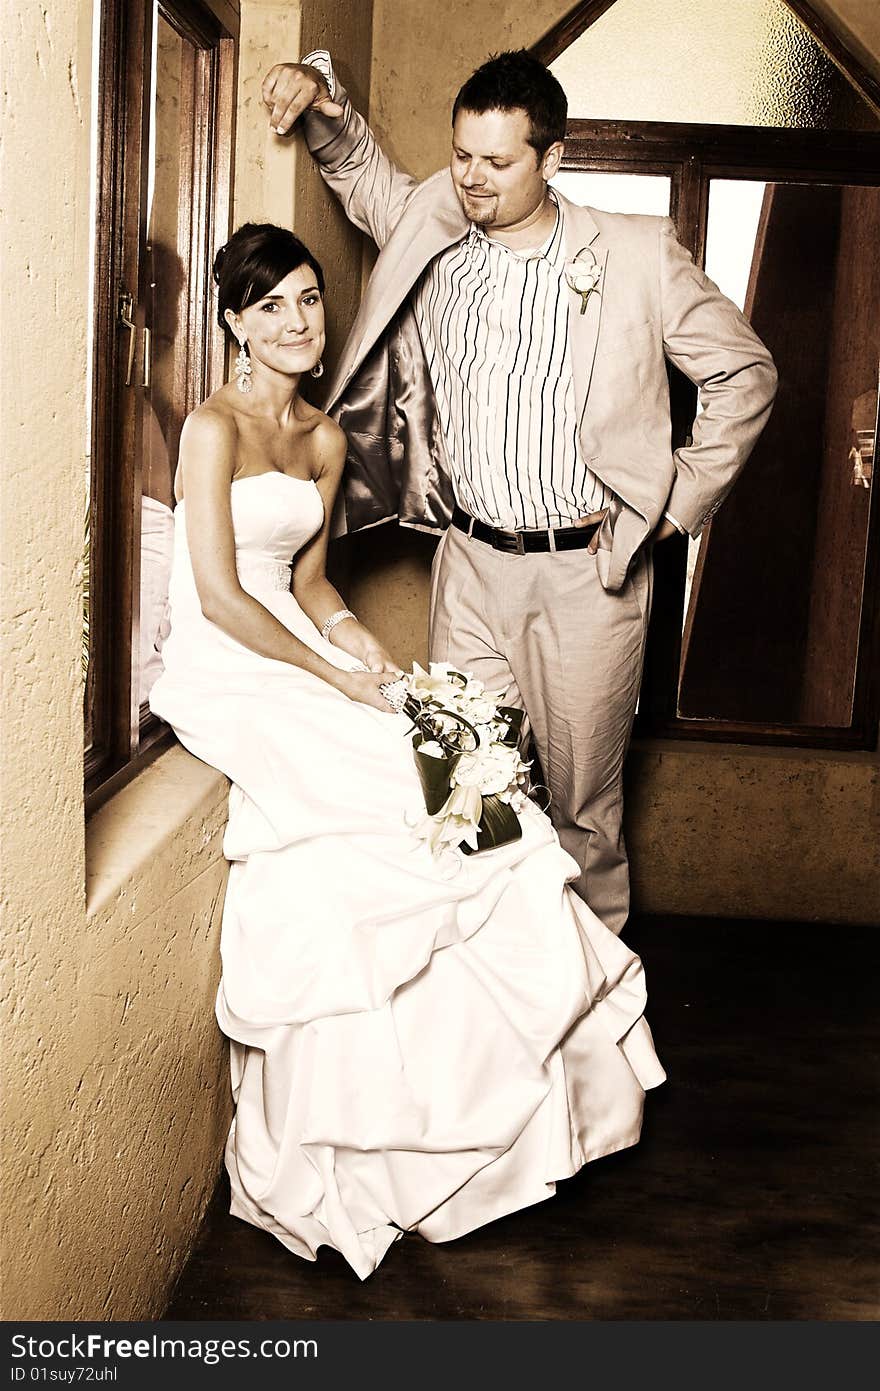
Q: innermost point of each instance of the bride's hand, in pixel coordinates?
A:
(375, 658)
(360, 643)
(365, 687)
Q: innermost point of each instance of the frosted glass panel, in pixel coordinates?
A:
(744, 62)
(616, 193)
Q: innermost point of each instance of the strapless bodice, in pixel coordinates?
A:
(273, 516)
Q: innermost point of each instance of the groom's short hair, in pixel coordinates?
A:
(515, 81)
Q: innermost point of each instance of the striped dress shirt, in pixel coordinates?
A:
(494, 327)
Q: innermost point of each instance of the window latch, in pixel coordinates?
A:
(126, 310)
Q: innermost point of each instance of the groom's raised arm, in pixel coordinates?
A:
(371, 189)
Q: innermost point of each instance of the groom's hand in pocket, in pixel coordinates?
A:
(593, 543)
(289, 89)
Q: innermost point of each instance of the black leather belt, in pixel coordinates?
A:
(560, 538)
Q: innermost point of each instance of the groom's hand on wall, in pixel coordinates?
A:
(289, 89)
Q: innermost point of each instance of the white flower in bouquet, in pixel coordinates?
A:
(478, 709)
(493, 733)
(491, 769)
(517, 800)
(457, 821)
(432, 749)
(436, 684)
(515, 794)
(475, 688)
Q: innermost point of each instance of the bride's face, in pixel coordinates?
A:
(285, 329)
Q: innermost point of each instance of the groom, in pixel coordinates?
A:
(505, 379)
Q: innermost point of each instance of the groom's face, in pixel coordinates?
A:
(499, 177)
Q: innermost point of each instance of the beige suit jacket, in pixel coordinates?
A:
(653, 305)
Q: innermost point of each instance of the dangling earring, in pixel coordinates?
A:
(243, 369)
(317, 370)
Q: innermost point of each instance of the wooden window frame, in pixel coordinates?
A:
(691, 156)
(124, 736)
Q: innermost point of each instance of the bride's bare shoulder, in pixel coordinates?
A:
(327, 438)
(208, 444)
(214, 420)
(211, 430)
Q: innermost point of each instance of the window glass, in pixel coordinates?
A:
(751, 62)
(162, 159)
(622, 193)
(773, 613)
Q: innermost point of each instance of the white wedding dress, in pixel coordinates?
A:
(415, 1046)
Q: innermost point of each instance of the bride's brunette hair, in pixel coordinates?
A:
(255, 259)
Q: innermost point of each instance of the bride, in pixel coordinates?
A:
(414, 1046)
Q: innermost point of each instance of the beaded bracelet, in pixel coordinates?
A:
(335, 618)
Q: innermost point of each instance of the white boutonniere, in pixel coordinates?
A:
(583, 275)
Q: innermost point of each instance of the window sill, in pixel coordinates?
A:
(156, 834)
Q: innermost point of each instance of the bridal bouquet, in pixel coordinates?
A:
(466, 748)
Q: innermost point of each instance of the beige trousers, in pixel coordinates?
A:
(541, 629)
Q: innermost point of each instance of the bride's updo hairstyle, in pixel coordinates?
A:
(255, 259)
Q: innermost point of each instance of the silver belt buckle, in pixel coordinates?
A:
(520, 545)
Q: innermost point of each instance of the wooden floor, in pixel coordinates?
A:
(752, 1195)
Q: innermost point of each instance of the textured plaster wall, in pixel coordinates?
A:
(148, 1083)
(423, 52)
(275, 179)
(113, 1084)
(115, 1096)
(113, 1073)
(743, 832)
